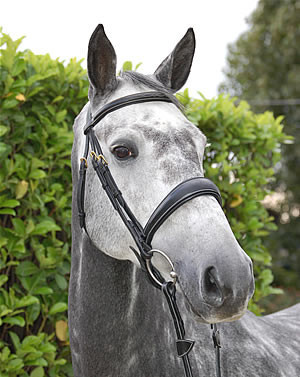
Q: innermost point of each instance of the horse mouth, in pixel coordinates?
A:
(213, 315)
(196, 315)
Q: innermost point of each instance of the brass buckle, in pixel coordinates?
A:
(85, 160)
(99, 157)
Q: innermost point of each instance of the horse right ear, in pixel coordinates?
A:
(101, 63)
(175, 69)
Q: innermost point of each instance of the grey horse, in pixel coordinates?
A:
(119, 324)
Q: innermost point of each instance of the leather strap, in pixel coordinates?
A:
(184, 346)
(217, 346)
(81, 184)
(132, 99)
(181, 194)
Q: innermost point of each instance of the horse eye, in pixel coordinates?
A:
(122, 152)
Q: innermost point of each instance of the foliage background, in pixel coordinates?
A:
(39, 98)
(263, 67)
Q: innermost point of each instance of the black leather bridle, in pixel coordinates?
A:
(181, 194)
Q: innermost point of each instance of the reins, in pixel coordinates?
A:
(142, 237)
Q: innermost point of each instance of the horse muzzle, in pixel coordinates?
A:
(219, 294)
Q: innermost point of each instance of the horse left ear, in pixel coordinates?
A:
(175, 69)
(101, 62)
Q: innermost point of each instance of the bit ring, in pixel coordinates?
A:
(173, 274)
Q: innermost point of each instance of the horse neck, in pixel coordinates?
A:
(118, 318)
(120, 289)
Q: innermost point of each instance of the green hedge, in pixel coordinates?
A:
(39, 98)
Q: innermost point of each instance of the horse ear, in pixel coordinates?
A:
(175, 69)
(101, 62)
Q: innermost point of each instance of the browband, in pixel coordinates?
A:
(131, 99)
(181, 194)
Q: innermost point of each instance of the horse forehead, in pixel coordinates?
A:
(161, 123)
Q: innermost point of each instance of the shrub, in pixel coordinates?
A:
(39, 98)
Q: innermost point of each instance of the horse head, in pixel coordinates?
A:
(150, 148)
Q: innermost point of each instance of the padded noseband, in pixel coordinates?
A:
(181, 194)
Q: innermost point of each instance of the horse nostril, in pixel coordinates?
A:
(211, 290)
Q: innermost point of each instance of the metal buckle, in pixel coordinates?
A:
(99, 157)
(85, 160)
(173, 274)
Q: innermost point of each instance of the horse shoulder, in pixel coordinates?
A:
(264, 346)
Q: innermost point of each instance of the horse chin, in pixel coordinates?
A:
(215, 317)
(210, 315)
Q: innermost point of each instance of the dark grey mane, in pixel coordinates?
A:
(151, 83)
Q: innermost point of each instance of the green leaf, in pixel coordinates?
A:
(37, 372)
(127, 66)
(40, 361)
(42, 291)
(19, 226)
(3, 130)
(15, 365)
(15, 321)
(27, 268)
(275, 291)
(44, 227)
(266, 276)
(15, 339)
(37, 174)
(33, 312)
(21, 189)
(33, 356)
(4, 150)
(137, 66)
(9, 103)
(61, 281)
(60, 116)
(26, 301)
(31, 340)
(47, 348)
(11, 203)
(4, 310)
(58, 308)
(57, 99)
(3, 279)
(30, 226)
(60, 362)
(7, 211)
(17, 84)
(18, 67)
(5, 354)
